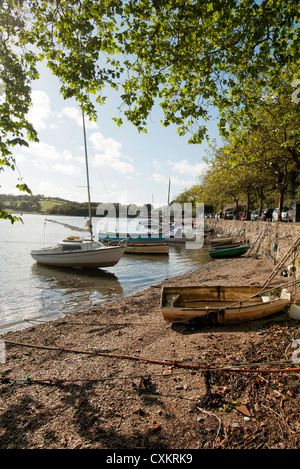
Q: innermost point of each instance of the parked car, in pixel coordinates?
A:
(284, 215)
(254, 215)
(275, 215)
(228, 216)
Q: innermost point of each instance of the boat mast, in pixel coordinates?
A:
(87, 176)
(169, 192)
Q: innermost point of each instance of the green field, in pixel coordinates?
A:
(32, 204)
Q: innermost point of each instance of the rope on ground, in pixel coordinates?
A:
(190, 366)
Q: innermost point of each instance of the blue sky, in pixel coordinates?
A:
(124, 166)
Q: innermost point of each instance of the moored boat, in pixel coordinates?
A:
(228, 251)
(79, 253)
(147, 248)
(219, 304)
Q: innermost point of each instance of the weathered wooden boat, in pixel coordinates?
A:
(219, 304)
(229, 251)
(225, 246)
(147, 248)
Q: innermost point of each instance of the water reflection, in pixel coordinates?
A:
(87, 282)
(146, 258)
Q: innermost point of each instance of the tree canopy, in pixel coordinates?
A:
(184, 55)
(256, 160)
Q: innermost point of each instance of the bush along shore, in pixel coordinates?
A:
(119, 377)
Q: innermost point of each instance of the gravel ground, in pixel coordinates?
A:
(118, 377)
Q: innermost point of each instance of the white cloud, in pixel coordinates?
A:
(76, 115)
(184, 167)
(68, 169)
(175, 181)
(67, 155)
(48, 189)
(109, 153)
(159, 178)
(40, 112)
(42, 151)
(46, 158)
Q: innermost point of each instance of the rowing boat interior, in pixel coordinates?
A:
(215, 297)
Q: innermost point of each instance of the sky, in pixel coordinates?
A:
(125, 166)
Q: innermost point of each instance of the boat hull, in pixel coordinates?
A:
(228, 252)
(217, 305)
(107, 257)
(147, 248)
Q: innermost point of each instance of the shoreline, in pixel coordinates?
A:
(109, 378)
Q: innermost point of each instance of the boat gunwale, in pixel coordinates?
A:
(235, 248)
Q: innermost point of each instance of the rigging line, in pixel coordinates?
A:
(190, 366)
(101, 177)
(18, 242)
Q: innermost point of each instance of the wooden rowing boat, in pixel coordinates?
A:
(218, 304)
(225, 246)
(228, 251)
(147, 248)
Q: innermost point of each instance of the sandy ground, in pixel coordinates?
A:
(119, 377)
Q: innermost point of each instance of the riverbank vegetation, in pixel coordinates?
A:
(57, 206)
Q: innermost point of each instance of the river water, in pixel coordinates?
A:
(32, 292)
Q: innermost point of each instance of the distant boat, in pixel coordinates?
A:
(228, 251)
(179, 236)
(130, 237)
(79, 252)
(218, 304)
(147, 248)
(133, 234)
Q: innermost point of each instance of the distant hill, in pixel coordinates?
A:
(50, 206)
(41, 204)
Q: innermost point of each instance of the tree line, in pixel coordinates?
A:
(258, 163)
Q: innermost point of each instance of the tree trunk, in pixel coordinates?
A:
(282, 182)
(280, 206)
(248, 206)
(261, 200)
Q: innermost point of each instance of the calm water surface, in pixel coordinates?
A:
(34, 292)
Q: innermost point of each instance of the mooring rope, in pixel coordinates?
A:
(190, 366)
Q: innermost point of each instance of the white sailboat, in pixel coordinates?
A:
(80, 252)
